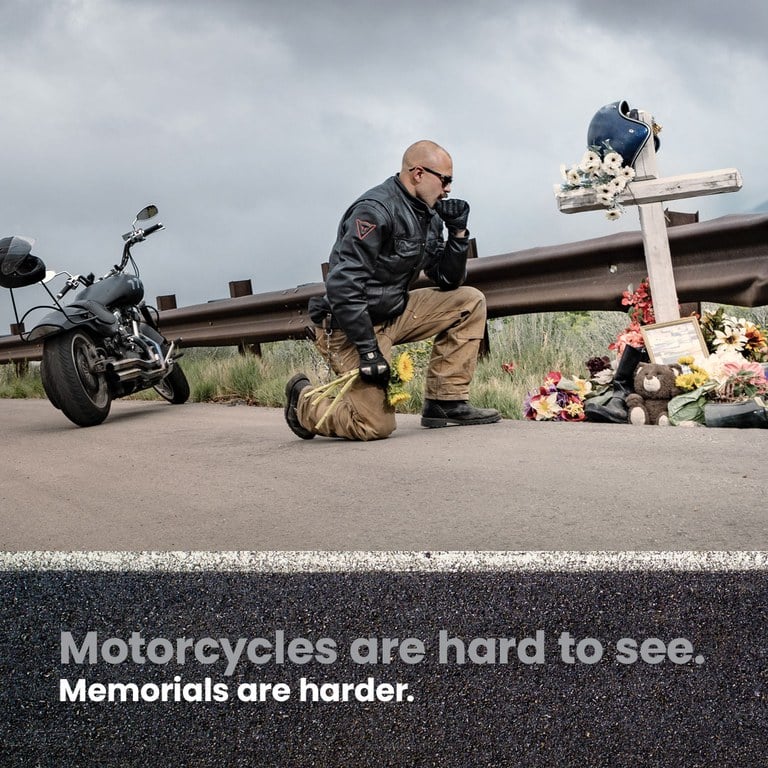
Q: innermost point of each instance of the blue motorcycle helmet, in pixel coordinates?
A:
(617, 128)
(18, 267)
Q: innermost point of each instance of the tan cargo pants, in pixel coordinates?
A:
(457, 321)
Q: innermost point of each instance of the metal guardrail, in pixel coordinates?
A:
(723, 260)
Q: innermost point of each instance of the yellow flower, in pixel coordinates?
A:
(687, 360)
(582, 386)
(693, 380)
(397, 397)
(404, 367)
(574, 409)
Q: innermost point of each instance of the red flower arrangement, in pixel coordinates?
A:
(640, 313)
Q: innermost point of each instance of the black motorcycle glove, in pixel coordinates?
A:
(455, 213)
(374, 368)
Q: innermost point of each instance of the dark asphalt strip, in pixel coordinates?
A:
(682, 680)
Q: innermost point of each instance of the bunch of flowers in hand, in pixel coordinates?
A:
(558, 399)
(726, 332)
(401, 373)
(607, 176)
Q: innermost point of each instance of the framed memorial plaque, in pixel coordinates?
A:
(668, 342)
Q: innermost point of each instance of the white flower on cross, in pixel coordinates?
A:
(606, 175)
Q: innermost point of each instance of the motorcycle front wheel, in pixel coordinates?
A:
(174, 387)
(80, 392)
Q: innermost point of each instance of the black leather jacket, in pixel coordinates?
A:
(384, 240)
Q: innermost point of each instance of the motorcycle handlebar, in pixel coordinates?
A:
(65, 290)
(131, 238)
(153, 228)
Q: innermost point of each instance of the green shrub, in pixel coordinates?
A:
(19, 384)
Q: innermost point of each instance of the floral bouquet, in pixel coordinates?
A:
(733, 373)
(558, 399)
(608, 177)
(401, 372)
(725, 332)
(724, 377)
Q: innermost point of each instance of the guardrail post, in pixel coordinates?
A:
(21, 367)
(166, 302)
(237, 289)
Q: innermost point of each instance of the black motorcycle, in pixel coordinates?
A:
(105, 343)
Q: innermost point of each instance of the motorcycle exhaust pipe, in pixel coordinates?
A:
(125, 370)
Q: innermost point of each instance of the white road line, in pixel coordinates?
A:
(375, 561)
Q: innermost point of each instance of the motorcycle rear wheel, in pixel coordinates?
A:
(49, 384)
(81, 393)
(174, 387)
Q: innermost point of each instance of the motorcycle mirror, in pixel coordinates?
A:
(49, 275)
(147, 213)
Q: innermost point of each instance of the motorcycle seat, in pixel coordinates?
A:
(105, 320)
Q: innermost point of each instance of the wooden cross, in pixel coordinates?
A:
(648, 192)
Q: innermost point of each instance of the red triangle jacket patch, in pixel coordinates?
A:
(364, 228)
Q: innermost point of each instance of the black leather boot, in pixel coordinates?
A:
(293, 390)
(615, 410)
(441, 413)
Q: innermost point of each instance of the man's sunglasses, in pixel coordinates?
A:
(444, 180)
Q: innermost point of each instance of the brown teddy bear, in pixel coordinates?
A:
(654, 388)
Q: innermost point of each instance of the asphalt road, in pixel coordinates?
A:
(610, 693)
(215, 477)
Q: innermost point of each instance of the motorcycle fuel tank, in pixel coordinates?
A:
(114, 291)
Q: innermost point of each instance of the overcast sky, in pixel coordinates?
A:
(252, 125)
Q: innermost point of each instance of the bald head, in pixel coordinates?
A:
(424, 153)
(425, 165)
